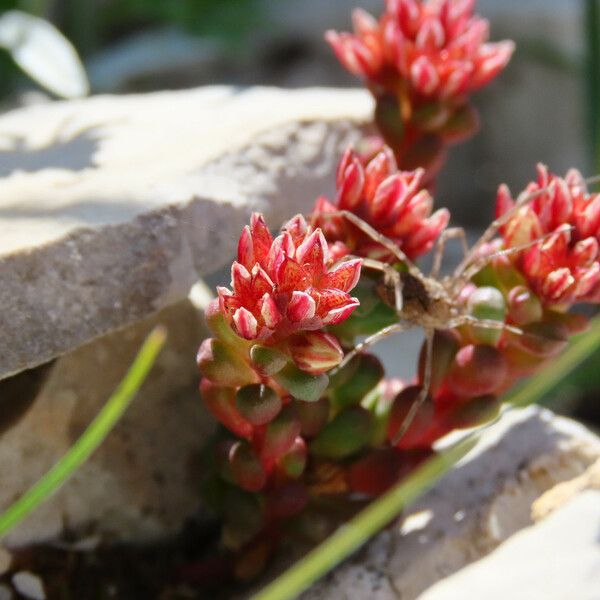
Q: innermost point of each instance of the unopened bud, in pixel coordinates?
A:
(315, 352)
(524, 306)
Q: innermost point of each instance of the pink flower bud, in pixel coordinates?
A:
(523, 306)
(315, 352)
(389, 200)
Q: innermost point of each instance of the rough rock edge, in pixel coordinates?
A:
(475, 508)
(564, 492)
(73, 290)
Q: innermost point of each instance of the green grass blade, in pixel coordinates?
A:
(356, 532)
(539, 386)
(91, 438)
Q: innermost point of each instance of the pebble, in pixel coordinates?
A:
(29, 585)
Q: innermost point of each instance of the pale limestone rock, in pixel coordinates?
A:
(144, 481)
(557, 559)
(469, 512)
(112, 207)
(564, 492)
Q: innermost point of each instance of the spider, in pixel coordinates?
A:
(429, 301)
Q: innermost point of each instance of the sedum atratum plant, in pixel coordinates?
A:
(311, 426)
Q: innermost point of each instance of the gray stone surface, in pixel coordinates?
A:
(469, 512)
(110, 208)
(144, 480)
(557, 559)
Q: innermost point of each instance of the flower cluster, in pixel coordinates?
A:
(285, 284)
(300, 425)
(432, 49)
(545, 260)
(391, 201)
(562, 267)
(421, 60)
(264, 380)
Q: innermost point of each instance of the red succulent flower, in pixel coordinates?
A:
(286, 284)
(437, 48)
(564, 266)
(391, 201)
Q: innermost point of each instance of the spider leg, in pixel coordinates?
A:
(370, 231)
(487, 236)
(420, 399)
(484, 324)
(445, 237)
(370, 341)
(392, 275)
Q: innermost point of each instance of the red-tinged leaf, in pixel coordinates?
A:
(220, 401)
(246, 468)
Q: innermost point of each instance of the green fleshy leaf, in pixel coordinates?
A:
(301, 385)
(267, 360)
(365, 371)
(258, 403)
(347, 433)
(221, 364)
